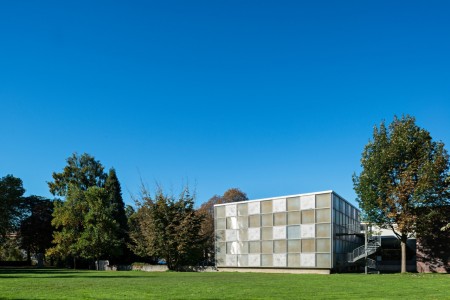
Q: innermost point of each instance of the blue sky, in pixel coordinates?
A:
(273, 97)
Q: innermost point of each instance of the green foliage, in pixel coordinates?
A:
(81, 171)
(68, 220)
(69, 284)
(100, 237)
(404, 173)
(118, 213)
(10, 249)
(91, 222)
(168, 228)
(36, 230)
(11, 204)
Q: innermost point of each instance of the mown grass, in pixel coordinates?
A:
(70, 284)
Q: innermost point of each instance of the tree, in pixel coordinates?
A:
(118, 213)
(68, 221)
(170, 229)
(11, 204)
(36, 230)
(100, 237)
(403, 172)
(207, 210)
(81, 171)
(234, 195)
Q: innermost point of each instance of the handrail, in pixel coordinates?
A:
(373, 243)
(371, 263)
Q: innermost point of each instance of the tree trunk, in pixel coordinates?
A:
(74, 263)
(403, 240)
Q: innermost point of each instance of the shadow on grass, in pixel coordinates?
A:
(61, 273)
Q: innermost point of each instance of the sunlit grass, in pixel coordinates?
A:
(70, 284)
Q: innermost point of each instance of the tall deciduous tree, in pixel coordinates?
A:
(81, 171)
(100, 238)
(403, 172)
(68, 221)
(169, 228)
(11, 204)
(36, 230)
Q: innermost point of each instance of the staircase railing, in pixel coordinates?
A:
(373, 243)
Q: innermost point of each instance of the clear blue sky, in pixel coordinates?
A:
(273, 97)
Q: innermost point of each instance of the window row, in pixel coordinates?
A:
(274, 233)
(306, 260)
(273, 206)
(268, 247)
(276, 219)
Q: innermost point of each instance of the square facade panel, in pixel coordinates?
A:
(293, 203)
(293, 232)
(254, 260)
(279, 219)
(220, 212)
(266, 260)
(242, 260)
(279, 260)
(221, 223)
(308, 216)
(279, 232)
(254, 234)
(323, 245)
(221, 248)
(231, 261)
(254, 208)
(279, 205)
(254, 247)
(233, 248)
(220, 235)
(307, 231)
(242, 235)
(266, 233)
(323, 215)
(294, 246)
(267, 220)
(231, 235)
(308, 202)
(323, 260)
(293, 260)
(243, 247)
(242, 222)
(232, 223)
(242, 209)
(254, 221)
(323, 201)
(267, 247)
(308, 246)
(294, 217)
(279, 246)
(266, 206)
(308, 260)
(323, 230)
(231, 210)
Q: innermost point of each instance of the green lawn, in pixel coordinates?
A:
(70, 284)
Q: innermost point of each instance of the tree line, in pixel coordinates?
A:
(404, 185)
(90, 221)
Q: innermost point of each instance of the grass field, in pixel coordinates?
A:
(70, 284)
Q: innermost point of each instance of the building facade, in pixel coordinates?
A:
(305, 233)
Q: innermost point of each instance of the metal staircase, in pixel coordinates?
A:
(373, 242)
